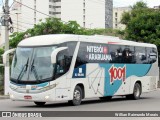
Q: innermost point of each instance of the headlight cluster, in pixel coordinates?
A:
(48, 87)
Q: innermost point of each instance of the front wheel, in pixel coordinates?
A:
(40, 103)
(77, 96)
(136, 92)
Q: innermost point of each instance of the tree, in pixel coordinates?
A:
(56, 26)
(142, 24)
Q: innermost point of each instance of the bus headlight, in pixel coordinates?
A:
(49, 87)
(46, 97)
(11, 96)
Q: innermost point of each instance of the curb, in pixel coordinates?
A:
(4, 97)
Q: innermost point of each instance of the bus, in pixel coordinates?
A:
(71, 68)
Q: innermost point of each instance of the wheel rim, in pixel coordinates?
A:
(77, 95)
(137, 91)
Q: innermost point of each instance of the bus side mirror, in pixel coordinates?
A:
(55, 52)
(5, 55)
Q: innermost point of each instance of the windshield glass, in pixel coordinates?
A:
(41, 66)
(20, 60)
(32, 64)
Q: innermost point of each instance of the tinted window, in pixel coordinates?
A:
(64, 58)
(122, 54)
(116, 53)
(128, 54)
(92, 53)
(151, 55)
(141, 55)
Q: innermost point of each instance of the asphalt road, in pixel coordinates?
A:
(148, 102)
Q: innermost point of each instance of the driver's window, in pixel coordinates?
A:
(61, 67)
(60, 63)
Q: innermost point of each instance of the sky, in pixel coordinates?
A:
(124, 3)
(116, 3)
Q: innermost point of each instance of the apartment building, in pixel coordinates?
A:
(88, 13)
(117, 16)
(156, 7)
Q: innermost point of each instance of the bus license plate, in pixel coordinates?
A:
(27, 97)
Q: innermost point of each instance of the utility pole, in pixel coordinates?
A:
(5, 38)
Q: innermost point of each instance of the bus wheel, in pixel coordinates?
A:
(136, 92)
(77, 96)
(40, 103)
(106, 98)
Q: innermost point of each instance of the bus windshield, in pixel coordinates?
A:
(32, 65)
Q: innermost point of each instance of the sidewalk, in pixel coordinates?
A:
(4, 97)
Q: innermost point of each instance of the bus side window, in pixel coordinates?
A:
(151, 55)
(141, 55)
(116, 53)
(81, 57)
(63, 63)
(128, 54)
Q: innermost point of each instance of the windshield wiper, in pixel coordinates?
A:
(34, 70)
(22, 71)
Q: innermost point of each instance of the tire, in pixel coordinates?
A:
(77, 96)
(40, 103)
(106, 98)
(136, 92)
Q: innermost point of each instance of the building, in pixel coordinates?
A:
(117, 16)
(156, 7)
(88, 13)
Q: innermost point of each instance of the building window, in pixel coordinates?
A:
(116, 25)
(116, 20)
(56, 0)
(35, 7)
(56, 6)
(116, 14)
(84, 17)
(84, 5)
(50, 12)
(84, 11)
(84, 24)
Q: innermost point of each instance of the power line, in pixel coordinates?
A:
(33, 9)
(21, 26)
(36, 10)
(11, 4)
(21, 17)
(23, 22)
(19, 29)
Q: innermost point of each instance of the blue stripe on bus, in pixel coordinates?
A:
(138, 70)
(38, 85)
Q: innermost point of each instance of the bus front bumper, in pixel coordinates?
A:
(46, 96)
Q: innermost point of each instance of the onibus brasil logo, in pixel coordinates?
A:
(117, 73)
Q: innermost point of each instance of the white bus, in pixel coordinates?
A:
(74, 67)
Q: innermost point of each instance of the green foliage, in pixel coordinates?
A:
(139, 5)
(16, 38)
(1, 51)
(142, 24)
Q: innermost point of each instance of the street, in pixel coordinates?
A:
(148, 102)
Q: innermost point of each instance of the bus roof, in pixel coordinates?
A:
(46, 40)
